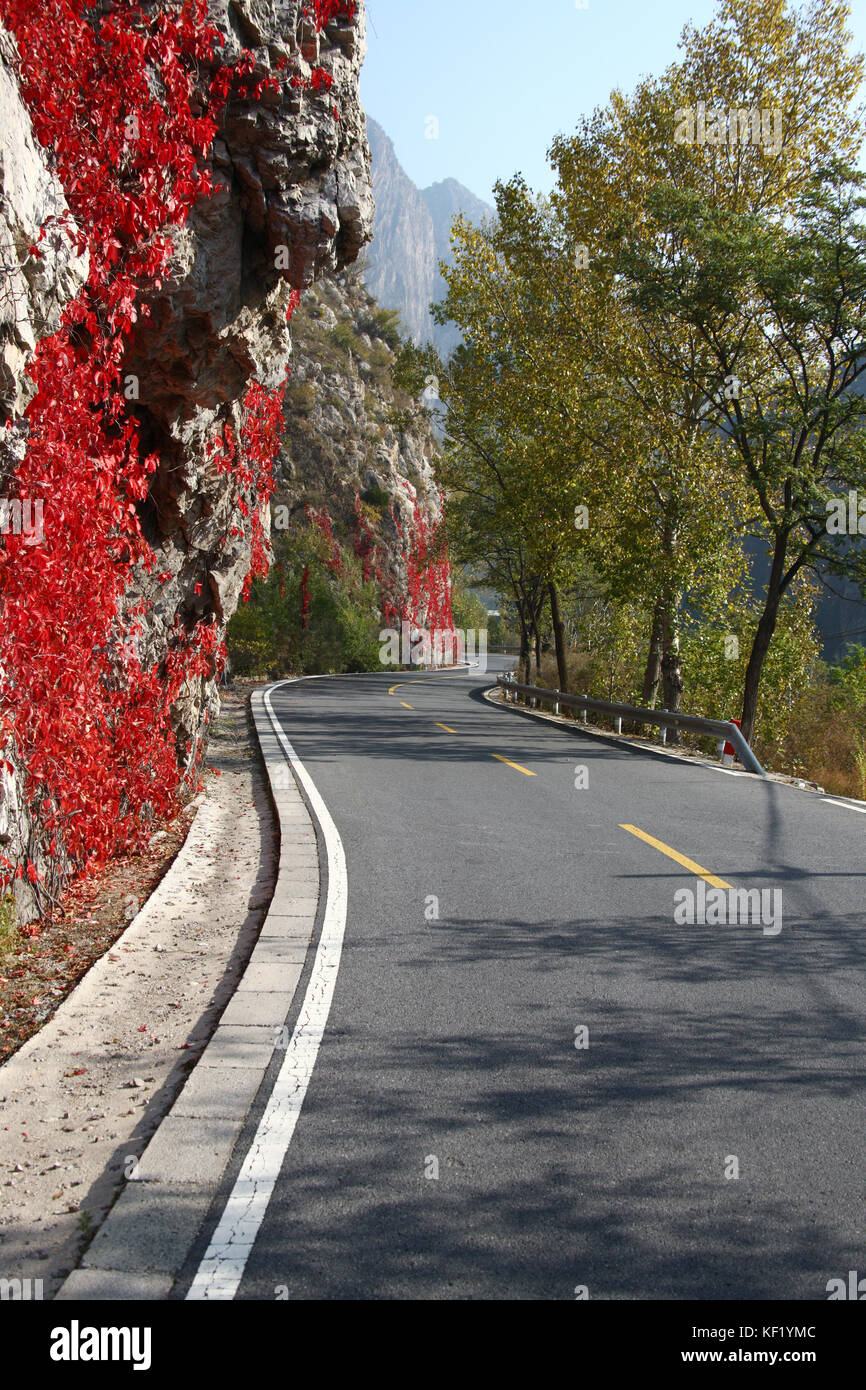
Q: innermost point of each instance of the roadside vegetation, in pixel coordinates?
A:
(654, 441)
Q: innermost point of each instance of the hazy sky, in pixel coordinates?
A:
(503, 79)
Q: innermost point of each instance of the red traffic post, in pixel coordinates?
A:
(728, 752)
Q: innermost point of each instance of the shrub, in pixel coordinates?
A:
(344, 336)
(301, 397)
(314, 614)
(384, 324)
(376, 497)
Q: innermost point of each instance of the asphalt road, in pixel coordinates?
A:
(451, 1041)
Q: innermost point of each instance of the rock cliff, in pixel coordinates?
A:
(352, 435)
(411, 235)
(291, 199)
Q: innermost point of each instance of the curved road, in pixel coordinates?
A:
(613, 1102)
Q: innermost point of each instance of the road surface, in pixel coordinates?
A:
(534, 1082)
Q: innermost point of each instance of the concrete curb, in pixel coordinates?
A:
(144, 1241)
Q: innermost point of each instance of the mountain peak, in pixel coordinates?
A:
(411, 235)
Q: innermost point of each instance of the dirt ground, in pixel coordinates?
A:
(103, 1063)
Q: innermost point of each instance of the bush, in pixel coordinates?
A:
(268, 638)
(384, 324)
(249, 642)
(8, 931)
(300, 397)
(377, 497)
(825, 738)
(344, 336)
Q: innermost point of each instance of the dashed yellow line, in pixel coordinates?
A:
(405, 706)
(425, 680)
(516, 766)
(686, 863)
(446, 727)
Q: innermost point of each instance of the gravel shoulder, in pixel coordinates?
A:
(80, 1100)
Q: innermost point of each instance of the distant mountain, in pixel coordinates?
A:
(411, 235)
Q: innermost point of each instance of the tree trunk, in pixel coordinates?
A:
(525, 658)
(653, 671)
(558, 637)
(672, 674)
(763, 637)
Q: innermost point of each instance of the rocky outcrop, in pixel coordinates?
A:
(35, 285)
(411, 235)
(291, 199)
(350, 432)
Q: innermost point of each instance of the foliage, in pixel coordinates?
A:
(672, 341)
(122, 101)
(314, 613)
(384, 324)
(468, 611)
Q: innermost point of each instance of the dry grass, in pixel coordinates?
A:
(825, 743)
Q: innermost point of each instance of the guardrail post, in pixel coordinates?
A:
(714, 727)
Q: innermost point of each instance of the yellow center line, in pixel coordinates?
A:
(446, 727)
(689, 864)
(524, 770)
(405, 706)
(425, 680)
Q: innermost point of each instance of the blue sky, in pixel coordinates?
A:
(503, 79)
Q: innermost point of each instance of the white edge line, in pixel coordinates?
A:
(222, 1268)
(846, 805)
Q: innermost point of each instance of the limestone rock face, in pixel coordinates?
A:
(444, 201)
(292, 199)
(401, 262)
(349, 431)
(34, 288)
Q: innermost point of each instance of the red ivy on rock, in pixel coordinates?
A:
(325, 11)
(116, 99)
(427, 601)
(321, 519)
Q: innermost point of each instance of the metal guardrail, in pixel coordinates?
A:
(717, 728)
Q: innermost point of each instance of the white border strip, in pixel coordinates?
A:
(222, 1268)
